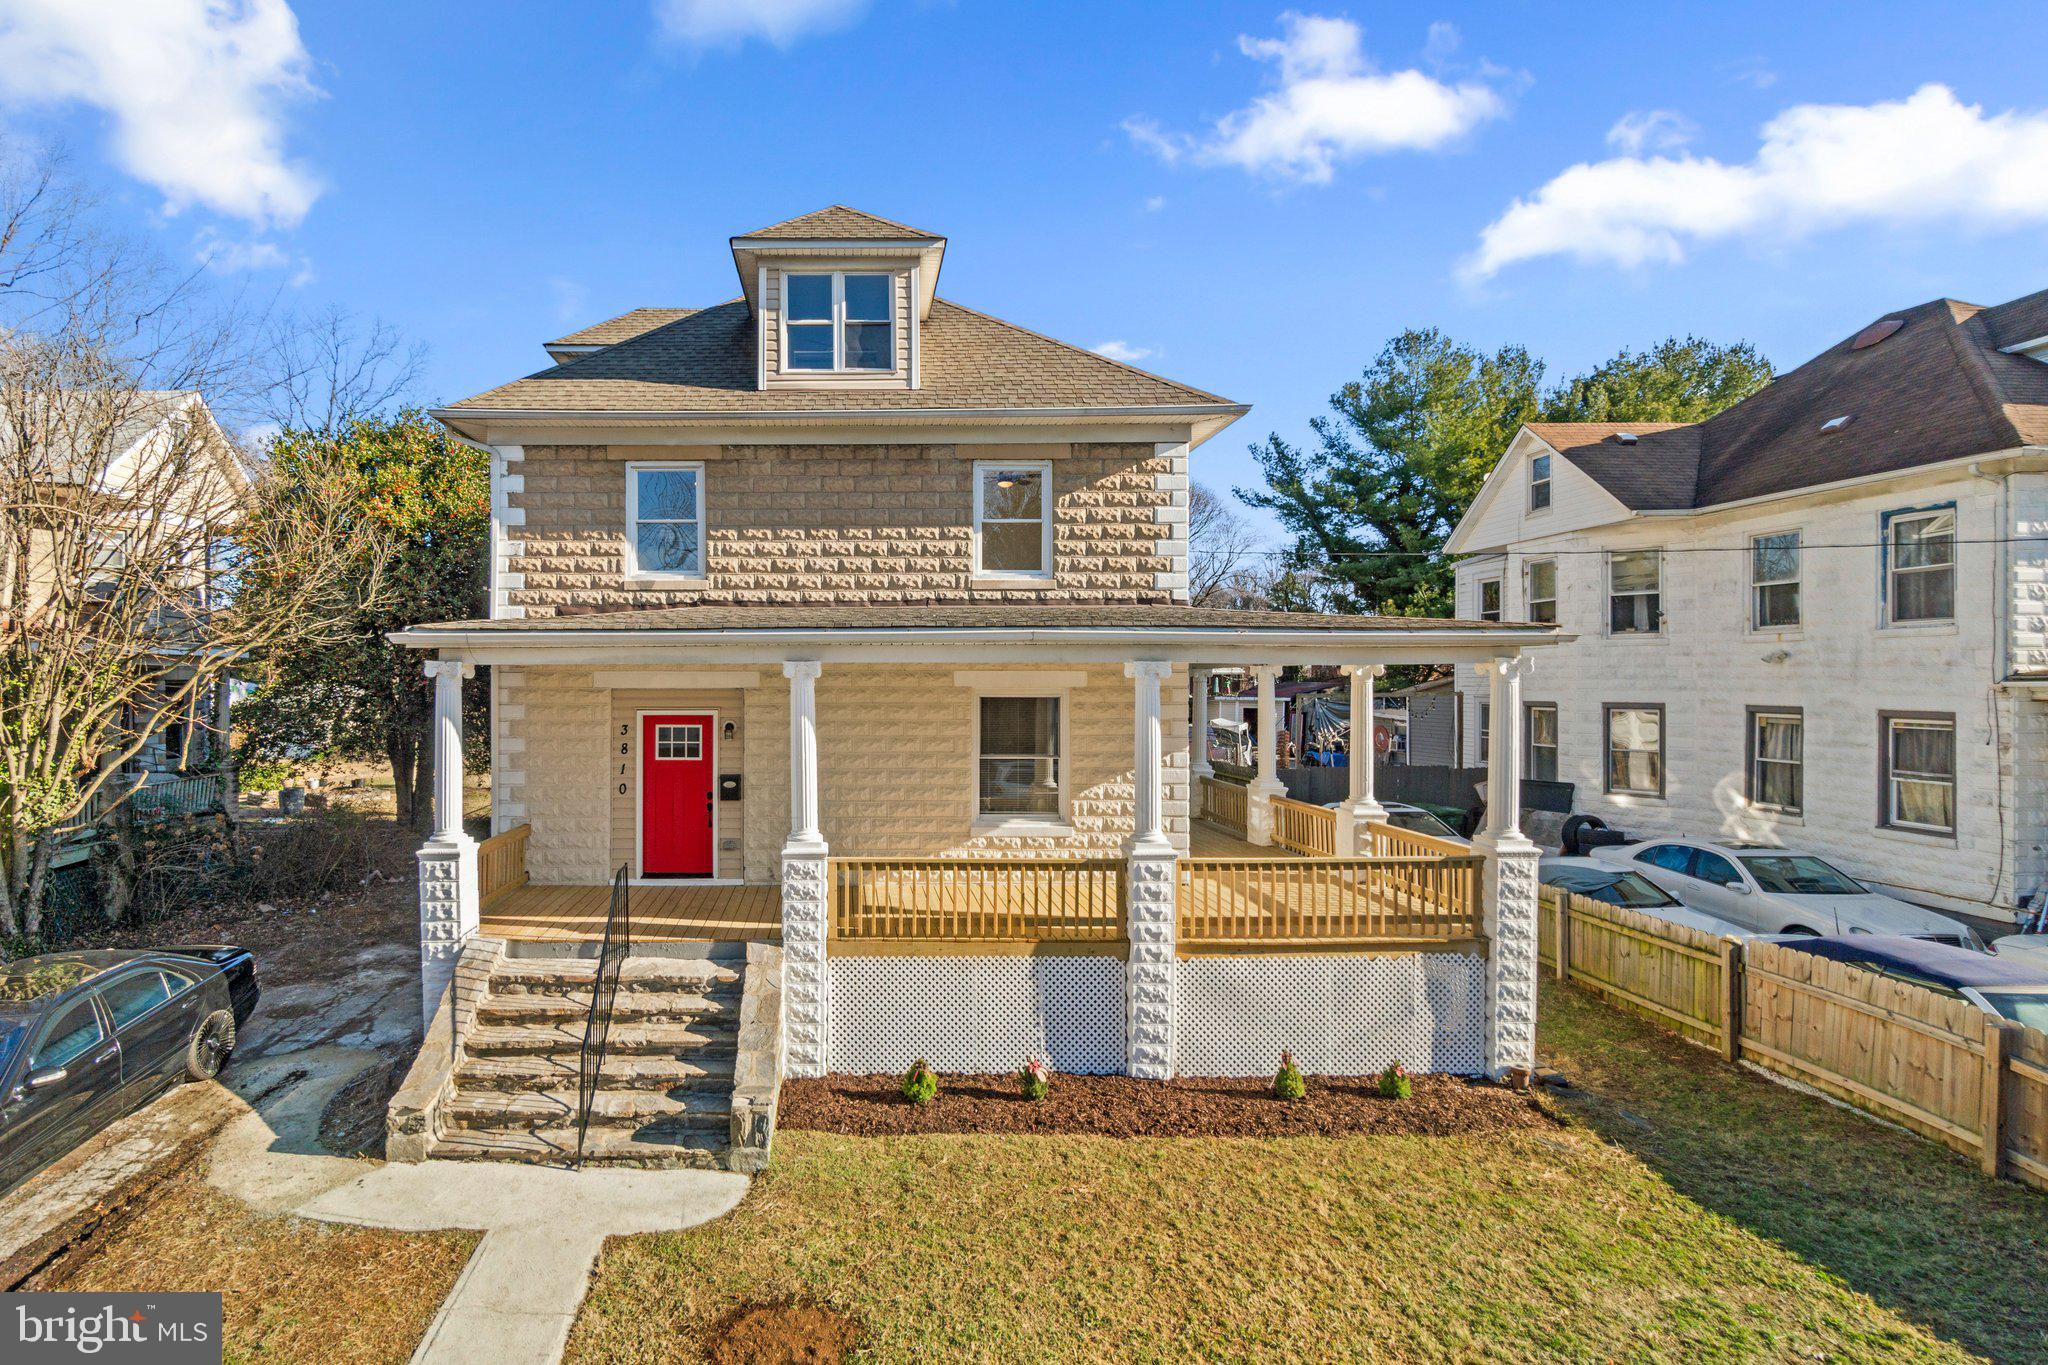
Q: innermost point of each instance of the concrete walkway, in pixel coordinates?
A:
(517, 1298)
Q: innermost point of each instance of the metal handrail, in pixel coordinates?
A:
(604, 989)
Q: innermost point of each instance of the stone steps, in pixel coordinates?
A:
(556, 1146)
(672, 1039)
(701, 1071)
(636, 1005)
(611, 1111)
(571, 976)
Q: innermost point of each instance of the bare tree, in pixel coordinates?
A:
(1220, 542)
(141, 556)
(335, 368)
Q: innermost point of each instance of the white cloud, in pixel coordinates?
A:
(1123, 351)
(1155, 203)
(1329, 105)
(1650, 130)
(728, 23)
(195, 90)
(1926, 158)
(227, 256)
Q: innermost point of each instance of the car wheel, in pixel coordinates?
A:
(211, 1044)
(1801, 930)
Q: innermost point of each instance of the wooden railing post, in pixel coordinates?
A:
(1991, 1125)
(1562, 909)
(1731, 999)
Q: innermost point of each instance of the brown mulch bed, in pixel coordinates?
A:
(1118, 1106)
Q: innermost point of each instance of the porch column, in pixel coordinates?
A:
(1360, 811)
(806, 884)
(1199, 681)
(449, 899)
(1260, 791)
(1508, 885)
(1152, 882)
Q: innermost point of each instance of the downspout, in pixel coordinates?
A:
(2001, 618)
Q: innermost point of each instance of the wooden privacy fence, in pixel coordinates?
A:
(501, 864)
(1224, 802)
(1924, 1060)
(1308, 830)
(942, 902)
(1288, 903)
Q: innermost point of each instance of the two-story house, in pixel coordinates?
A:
(1817, 619)
(842, 616)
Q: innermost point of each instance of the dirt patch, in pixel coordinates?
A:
(353, 1122)
(1118, 1106)
(775, 1333)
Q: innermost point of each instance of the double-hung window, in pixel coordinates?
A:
(1635, 592)
(1635, 750)
(1777, 760)
(1542, 575)
(1542, 728)
(1774, 580)
(1539, 483)
(838, 320)
(1012, 520)
(1489, 599)
(1920, 565)
(665, 520)
(1919, 759)
(1018, 758)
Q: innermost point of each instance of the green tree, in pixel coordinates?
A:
(424, 500)
(1411, 441)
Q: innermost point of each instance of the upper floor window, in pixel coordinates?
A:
(1489, 599)
(838, 321)
(1635, 596)
(665, 519)
(1774, 580)
(1539, 483)
(1012, 520)
(1920, 565)
(1543, 591)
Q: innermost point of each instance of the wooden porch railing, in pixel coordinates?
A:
(1224, 803)
(1391, 841)
(1308, 830)
(943, 901)
(501, 864)
(1250, 903)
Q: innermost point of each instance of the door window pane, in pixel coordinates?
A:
(132, 997)
(1712, 867)
(76, 1030)
(679, 741)
(1020, 756)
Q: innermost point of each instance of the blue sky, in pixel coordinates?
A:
(1245, 198)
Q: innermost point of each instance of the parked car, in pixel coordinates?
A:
(1630, 890)
(1414, 818)
(1780, 891)
(87, 1037)
(2009, 988)
(2023, 947)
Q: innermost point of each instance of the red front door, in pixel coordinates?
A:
(677, 764)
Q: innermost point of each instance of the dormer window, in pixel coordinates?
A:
(839, 321)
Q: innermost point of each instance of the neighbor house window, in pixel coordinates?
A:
(1635, 597)
(1543, 591)
(1774, 580)
(1920, 565)
(1012, 521)
(1018, 758)
(665, 520)
(1542, 727)
(1489, 599)
(1539, 483)
(1485, 731)
(1635, 750)
(838, 321)
(1777, 759)
(1919, 757)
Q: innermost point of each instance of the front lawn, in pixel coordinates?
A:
(1688, 1210)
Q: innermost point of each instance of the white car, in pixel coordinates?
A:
(1413, 818)
(1779, 891)
(1631, 890)
(2023, 948)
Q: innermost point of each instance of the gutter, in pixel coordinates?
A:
(700, 415)
(419, 637)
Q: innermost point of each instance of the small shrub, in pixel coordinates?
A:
(1287, 1082)
(920, 1083)
(1396, 1083)
(265, 776)
(1035, 1079)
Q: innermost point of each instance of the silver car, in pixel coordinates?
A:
(1780, 891)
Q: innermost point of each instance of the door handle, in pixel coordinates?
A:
(109, 1053)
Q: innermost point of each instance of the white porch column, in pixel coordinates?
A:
(1260, 791)
(1508, 887)
(1360, 810)
(1199, 681)
(449, 892)
(806, 884)
(1151, 971)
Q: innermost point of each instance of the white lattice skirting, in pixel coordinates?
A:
(977, 1013)
(1341, 1016)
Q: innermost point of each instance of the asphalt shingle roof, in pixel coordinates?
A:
(993, 616)
(624, 327)
(838, 223)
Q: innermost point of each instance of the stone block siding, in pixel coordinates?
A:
(857, 524)
(553, 769)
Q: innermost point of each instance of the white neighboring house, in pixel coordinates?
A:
(1819, 618)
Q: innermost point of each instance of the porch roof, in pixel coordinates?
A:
(1076, 632)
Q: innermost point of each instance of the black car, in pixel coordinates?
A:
(86, 1037)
